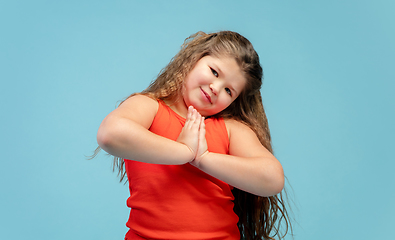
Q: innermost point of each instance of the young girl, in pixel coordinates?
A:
(199, 146)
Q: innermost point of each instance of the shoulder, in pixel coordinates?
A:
(139, 100)
(139, 108)
(234, 126)
(238, 130)
(242, 140)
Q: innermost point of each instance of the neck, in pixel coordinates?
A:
(178, 107)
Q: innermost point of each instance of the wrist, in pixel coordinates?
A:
(197, 162)
(188, 154)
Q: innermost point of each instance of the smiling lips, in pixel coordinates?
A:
(206, 95)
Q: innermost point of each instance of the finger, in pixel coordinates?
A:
(190, 117)
(202, 129)
(193, 115)
(190, 108)
(196, 119)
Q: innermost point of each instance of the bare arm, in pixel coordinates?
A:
(249, 167)
(124, 133)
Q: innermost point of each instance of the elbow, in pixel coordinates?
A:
(105, 138)
(275, 188)
(278, 184)
(275, 184)
(102, 139)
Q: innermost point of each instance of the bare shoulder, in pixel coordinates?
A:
(140, 100)
(235, 127)
(139, 108)
(243, 141)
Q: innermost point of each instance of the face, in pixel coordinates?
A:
(213, 84)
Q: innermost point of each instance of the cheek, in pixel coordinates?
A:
(184, 93)
(224, 102)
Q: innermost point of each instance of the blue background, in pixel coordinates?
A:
(328, 93)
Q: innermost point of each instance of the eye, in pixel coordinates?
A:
(228, 91)
(214, 72)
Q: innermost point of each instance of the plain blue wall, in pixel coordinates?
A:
(328, 93)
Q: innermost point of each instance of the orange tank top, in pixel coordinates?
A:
(180, 201)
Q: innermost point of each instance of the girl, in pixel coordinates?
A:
(201, 163)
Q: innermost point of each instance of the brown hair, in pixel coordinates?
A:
(259, 217)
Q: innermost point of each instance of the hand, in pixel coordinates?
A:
(190, 132)
(202, 150)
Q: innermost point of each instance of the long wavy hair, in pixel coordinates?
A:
(259, 217)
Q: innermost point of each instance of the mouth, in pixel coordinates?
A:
(206, 96)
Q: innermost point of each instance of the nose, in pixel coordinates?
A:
(215, 87)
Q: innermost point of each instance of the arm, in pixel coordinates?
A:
(249, 167)
(124, 133)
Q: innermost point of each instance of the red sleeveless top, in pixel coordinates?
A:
(180, 201)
